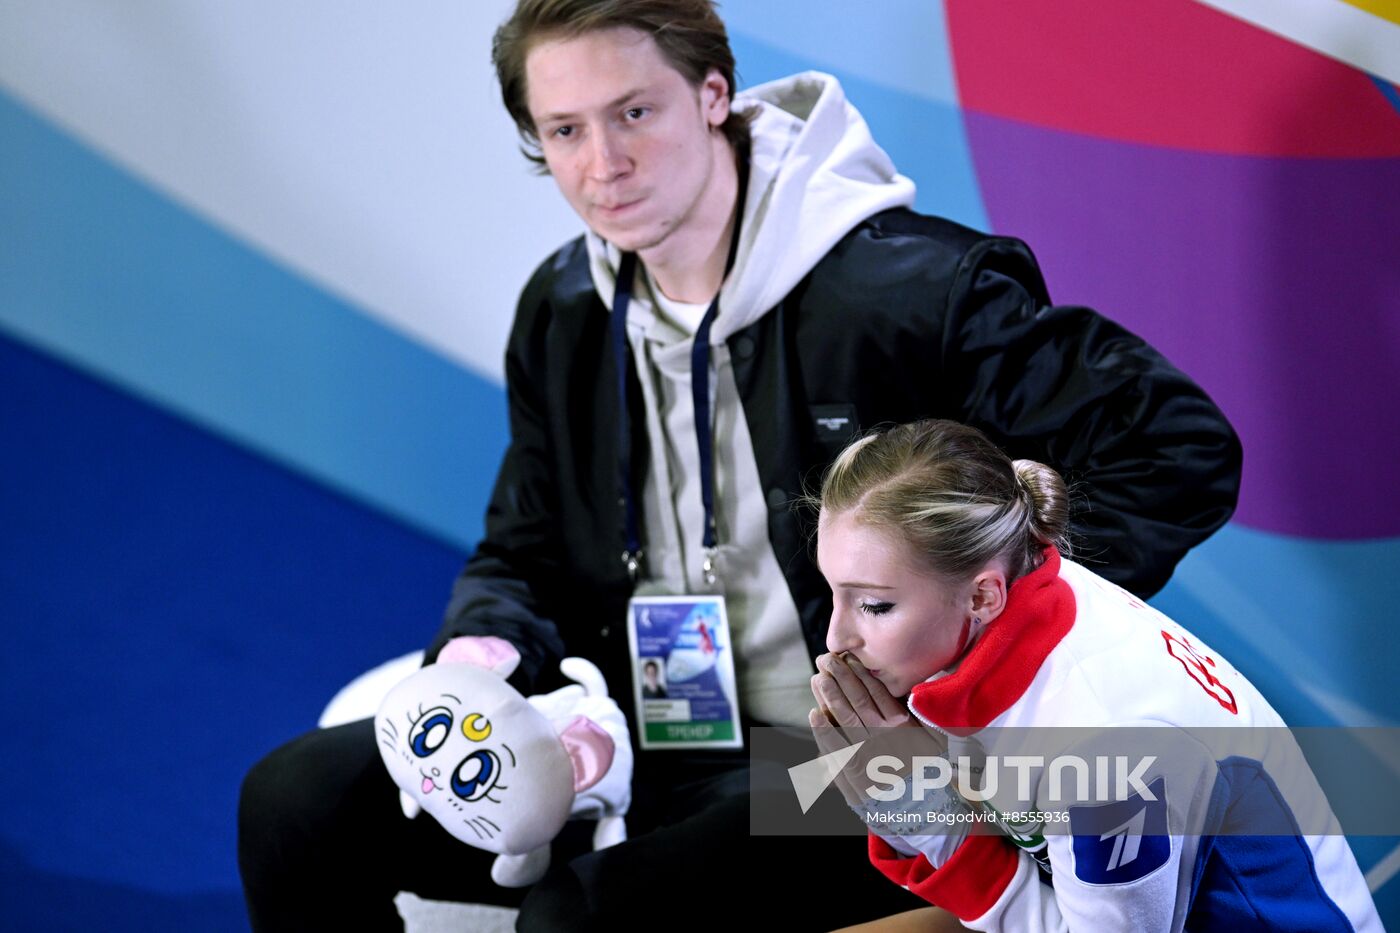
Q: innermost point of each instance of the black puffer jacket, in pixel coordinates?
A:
(907, 317)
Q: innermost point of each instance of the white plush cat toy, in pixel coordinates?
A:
(502, 772)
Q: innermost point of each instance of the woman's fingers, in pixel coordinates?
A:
(836, 703)
(852, 688)
(870, 699)
(891, 710)
(821, 709)
(830, 739)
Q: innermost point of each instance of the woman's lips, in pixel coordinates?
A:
(848, 658)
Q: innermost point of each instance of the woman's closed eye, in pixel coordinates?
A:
(875, 607)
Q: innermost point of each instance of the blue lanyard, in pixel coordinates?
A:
(622, 295)
(700, 395)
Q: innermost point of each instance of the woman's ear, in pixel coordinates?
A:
(988, 594)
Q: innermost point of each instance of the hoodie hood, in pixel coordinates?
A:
(814, 173)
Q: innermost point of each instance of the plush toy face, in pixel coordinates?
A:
(477, 756)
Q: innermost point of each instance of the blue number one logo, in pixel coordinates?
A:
(1127, 840)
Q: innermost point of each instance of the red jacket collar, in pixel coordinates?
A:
(996, 672)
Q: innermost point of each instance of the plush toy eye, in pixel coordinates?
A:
(430, 731)
(476, 775)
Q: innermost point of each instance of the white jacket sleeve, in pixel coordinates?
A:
(1123, 864)
(1152, 903)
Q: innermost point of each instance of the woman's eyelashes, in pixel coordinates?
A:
(875, 607)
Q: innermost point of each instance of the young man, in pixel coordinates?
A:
(778, 297)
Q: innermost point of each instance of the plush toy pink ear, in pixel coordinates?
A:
(590, 751)
(488, 651)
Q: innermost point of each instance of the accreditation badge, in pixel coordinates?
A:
(683, 665)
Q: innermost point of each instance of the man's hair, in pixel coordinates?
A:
(689, 33)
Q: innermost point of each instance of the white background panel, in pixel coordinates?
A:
(362, 144)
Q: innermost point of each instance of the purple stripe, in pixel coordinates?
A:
(1274, 282)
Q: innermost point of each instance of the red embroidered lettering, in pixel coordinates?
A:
(1199, 667)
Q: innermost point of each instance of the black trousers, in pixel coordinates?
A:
(322, 843)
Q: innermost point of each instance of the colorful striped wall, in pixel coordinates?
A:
(258, 262)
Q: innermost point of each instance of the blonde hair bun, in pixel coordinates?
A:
(1048, 499)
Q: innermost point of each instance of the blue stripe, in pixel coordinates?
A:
(174, 608)
(925, 138)
(1388, 91)
(116, 278)
(829, 37)
(1264, 882)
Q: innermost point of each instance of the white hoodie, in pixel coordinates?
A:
(814, 173)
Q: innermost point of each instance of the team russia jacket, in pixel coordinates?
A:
(1073, 650)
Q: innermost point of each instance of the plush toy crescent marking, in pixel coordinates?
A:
(502, 772)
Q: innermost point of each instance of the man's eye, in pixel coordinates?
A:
(876, 608)
(562, 132)
(636, 113)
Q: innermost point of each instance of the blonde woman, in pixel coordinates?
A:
(955, 608)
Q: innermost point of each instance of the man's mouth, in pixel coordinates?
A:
(621, 207)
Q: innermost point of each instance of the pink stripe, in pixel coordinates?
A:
(1165, 72)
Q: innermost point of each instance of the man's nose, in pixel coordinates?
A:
(606, 160)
